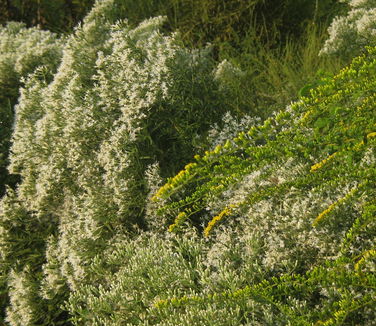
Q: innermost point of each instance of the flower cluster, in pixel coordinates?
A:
(86, 137)
(348, 35)
(22, 51)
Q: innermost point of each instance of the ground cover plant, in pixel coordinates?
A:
(271, 219)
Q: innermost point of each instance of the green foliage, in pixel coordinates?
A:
(327, 156)
(272, 77)
(54, 15)
(23, 241)
(220, 22)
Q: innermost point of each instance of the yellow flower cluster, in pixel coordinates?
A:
(306, 116)
(183, 174)
(179, 219)
(246, 291)
(337, 203)
(359, 145)
(176, 180)
(227, 211)
(372, 134)
(322, 163)
(368, 254)
(173, 301)
(324, 213)
(217, 150)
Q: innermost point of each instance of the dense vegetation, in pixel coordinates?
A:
(22, 50)
(272, 217)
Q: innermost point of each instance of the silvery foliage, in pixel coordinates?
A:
(22, 288)
(83, 147)
(150, 264)
(275, 237)
(348, 35)
(153, 267)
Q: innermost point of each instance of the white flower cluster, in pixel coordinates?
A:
(229, 127)
(226, 71)
(140, 268)
(277, 233)
(348, 35)
(82, 141)
(154, 182)
(23, 49)
(21, 311)
(76, 139)
(368, 4)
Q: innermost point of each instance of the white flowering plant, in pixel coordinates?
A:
(348, 35)
(123, 99)
(22, 50)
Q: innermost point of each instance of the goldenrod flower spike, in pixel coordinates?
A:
(368, 254)
(227, 211)
(322, 163)
(337, 203)
(372, 134)
(178, 221)
(324, 213)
